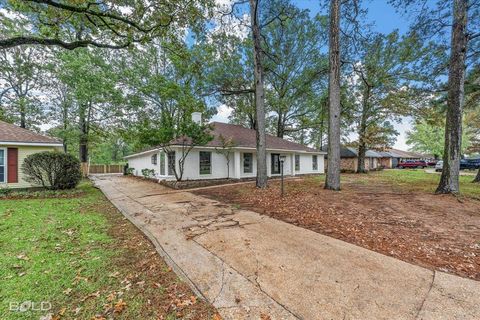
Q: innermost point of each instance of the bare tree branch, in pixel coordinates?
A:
(17, 41)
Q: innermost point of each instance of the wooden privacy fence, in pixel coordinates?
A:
(102, 168)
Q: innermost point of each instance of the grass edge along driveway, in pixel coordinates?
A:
(81, 257)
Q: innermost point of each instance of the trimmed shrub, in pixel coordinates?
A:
(52, 170)
(148, 173)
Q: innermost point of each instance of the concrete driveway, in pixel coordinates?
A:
(254, 267)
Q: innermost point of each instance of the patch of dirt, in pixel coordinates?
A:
(434, 231)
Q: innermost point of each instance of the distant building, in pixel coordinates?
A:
(375, 160)
(392, 157)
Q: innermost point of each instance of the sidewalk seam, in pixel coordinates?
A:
(426, 295)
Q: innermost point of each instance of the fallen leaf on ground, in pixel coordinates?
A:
(264, 316)
(111, 296)
(91, 295)
(119, 306)
(23, 256)
(114, 274)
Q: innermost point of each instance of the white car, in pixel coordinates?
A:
(439, 166)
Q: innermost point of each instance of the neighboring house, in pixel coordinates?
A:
(392, 157)
(204, 162)
(349, 159)
(15, 145)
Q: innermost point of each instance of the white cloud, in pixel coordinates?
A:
(401, 140)
(236, 23)
(223, 112)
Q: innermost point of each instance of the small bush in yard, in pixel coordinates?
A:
(52, 170)
(148, 173)
(4, 192)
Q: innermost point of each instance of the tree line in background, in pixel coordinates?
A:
(315, 79)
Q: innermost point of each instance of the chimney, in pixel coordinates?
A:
(197, 117)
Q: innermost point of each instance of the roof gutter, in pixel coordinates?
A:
(237, 148)
(34, 144)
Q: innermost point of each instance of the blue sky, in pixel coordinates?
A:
(385, 19)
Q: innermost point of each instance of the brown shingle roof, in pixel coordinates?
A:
(13, 133)
(243, 137)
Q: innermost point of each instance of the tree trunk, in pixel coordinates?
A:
(83, 139)
(23, 116)
(449, 182)
(259, 98)
(477, 178)
(362, 150)
(332, 180)
(362, 147)
(65, 127)
(228, 166)
(280, 126)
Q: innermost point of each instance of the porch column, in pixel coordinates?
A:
(236, 164)
(292, 163)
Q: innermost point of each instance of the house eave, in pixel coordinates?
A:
(235, 148)
(33, 144)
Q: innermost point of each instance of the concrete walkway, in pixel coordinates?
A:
(251, 266)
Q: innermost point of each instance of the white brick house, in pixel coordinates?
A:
(204, 162)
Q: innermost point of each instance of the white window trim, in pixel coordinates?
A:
(5, 166)
(199, 162)
(251, 162)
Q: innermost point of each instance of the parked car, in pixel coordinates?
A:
(413, 164)
(432, 163)
(475, 162)
(465, 164)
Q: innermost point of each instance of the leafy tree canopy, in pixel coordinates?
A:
(109, 24)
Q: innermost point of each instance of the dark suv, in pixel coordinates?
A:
(469, 164)
(465, 164)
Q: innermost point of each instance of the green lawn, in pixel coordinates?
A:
(413, 180)
(79, 255)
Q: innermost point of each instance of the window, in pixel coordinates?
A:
(171, 163)
(2, 165)
(275, 163)
(314, 162)
(205, 162)
(297, 162)
(247, 163)
(154, 159)
(162, 163)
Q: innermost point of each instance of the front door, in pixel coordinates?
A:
(275, 163)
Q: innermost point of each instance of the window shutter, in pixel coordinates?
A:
(12, 164)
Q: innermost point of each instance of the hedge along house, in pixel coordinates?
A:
(206, 162)
(15, 145)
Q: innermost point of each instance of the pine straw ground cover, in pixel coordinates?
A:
(81, 256)
(392, 212)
